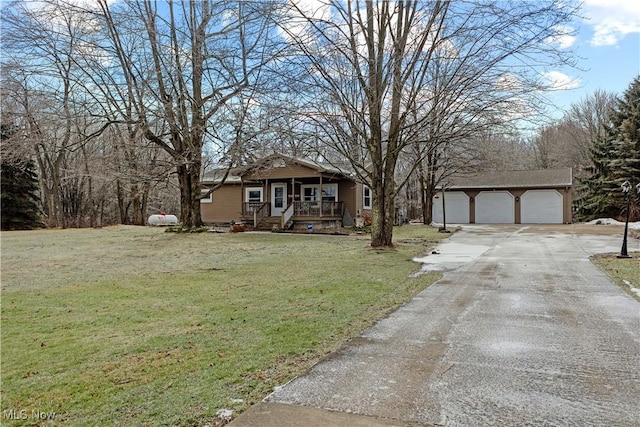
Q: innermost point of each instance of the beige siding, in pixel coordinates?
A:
(358, 200)
(517, 194)
(348, 193)
(472, 205)
(361, 199)
(567, 194)
(226, 205)
(359, 194)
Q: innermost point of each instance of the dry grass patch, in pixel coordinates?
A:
(134, 326)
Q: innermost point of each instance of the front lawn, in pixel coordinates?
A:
(134, 326)
(624, 272)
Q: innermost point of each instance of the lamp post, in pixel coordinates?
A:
(626, 190)
(444, 214)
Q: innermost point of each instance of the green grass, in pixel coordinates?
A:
(134, 326)
(621, 270)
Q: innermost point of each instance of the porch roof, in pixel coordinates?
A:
(278, 160)
(274, 162)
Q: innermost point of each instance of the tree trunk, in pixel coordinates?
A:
(122, 210)
(428, 187)
(382, 215)
(381, 228)
(101, 221)
(424, 204)
(189, 179)
(140, 198)
(144, 202)
(136, 206)
(56, 189)
(429, 191)
(90, 202)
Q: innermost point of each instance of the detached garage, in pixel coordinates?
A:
(510, 197)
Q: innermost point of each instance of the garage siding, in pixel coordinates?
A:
(495, 207)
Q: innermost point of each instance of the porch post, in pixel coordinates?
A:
(293, 194)
(321, 201)
(242, 196)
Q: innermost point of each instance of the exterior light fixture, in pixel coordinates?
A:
(626, 190)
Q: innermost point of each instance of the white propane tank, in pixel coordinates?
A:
(162, 219)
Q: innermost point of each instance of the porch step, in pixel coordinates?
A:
(268, 223)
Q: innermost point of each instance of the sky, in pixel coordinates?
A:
(608, 41)
(605, 39)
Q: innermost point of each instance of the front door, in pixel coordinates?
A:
(278, 198)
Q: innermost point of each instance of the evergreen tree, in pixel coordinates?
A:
(615, 158)
(625, 165)
(18, 196)
(595, 192)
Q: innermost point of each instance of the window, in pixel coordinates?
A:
(253, 194)
(330, 193)
(309, 193)
(204, 198)
(366, 197)
(278, 196)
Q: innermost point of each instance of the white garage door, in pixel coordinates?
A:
(495, 207)
(456, 207)
(541, 207)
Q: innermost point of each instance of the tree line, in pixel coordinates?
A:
(122, 106)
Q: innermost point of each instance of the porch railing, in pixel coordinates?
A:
(287, 214)
(318, 208)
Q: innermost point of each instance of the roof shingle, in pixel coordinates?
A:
(514, 179)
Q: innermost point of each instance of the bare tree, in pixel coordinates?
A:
(588, 118)
(51, 76)
(183, 66)
(40, 46)
(568, 141)
(371, 67)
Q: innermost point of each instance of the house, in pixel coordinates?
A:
(510, 197)
(284, 192)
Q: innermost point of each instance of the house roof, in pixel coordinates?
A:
(545, 178)
(215, 176)
(235, 175)
(269, 161)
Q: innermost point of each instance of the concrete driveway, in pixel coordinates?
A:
(521, 330)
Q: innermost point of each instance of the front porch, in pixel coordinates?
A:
(284, 192)
(259, 214)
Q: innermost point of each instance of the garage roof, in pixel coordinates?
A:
(544, 178)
